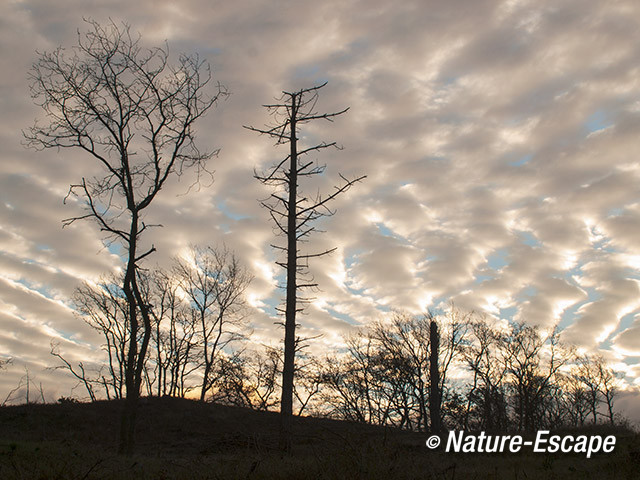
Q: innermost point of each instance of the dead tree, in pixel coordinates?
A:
(128, 110)
(294, 215)
(434, 374)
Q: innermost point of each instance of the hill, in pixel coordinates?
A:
(179, 438)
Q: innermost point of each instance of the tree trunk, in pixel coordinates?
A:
(286, 401)
(434, 389)
(128, 424)
(129, 411)
(132, 386)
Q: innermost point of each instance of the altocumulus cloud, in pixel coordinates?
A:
(500, 141)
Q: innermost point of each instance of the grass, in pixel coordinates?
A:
(185, 439)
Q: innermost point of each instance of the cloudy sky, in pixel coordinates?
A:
(499, 139)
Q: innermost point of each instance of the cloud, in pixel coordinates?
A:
(628, 341)
(498, 139)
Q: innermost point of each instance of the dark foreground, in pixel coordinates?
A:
(185, 439)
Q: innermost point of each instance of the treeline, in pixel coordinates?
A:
(197, 309)
(490, 376)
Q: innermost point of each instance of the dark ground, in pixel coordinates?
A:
(186, 439)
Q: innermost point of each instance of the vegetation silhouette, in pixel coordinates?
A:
(294, 215)
(132, 113)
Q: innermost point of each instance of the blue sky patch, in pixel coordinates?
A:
(597, 121)
(224, 208)
(521, 161)
(498, 259)
(529, 239)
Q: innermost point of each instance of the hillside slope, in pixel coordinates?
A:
(179, 438)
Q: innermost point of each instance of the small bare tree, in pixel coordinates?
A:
(586, 372)
(608, 386)
(486, 397)
(214, 282)
(531, 377)
(104, 308)
(577, 401)
(600, 384)
(133, 114)
(173, 337)
(294, 215)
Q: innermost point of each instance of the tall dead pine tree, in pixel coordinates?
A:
(294, 215)
(434, 373)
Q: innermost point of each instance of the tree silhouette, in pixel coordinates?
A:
(104, 308)
(530, 379)
(214, 282)
(397, 372)
(486, 396)
(173, 338)
(294, 216)
(134, 114)
(435, 395)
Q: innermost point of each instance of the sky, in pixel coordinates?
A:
(499, 139)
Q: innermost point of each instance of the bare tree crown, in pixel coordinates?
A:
(128, 109)
(295, 213)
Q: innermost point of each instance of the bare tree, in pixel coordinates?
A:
(309, 378)
(392, 374)
(294, 215)
(608, 386)
(405, 346)
(133, 114)
(486, 407)
(599, 382)
(531, 376)
(360, 383)
(587, 374)
(104, 308)
(214, 282)
(173, 338)
(577, 400)
(25, 382)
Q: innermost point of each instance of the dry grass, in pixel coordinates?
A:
(183, 439)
